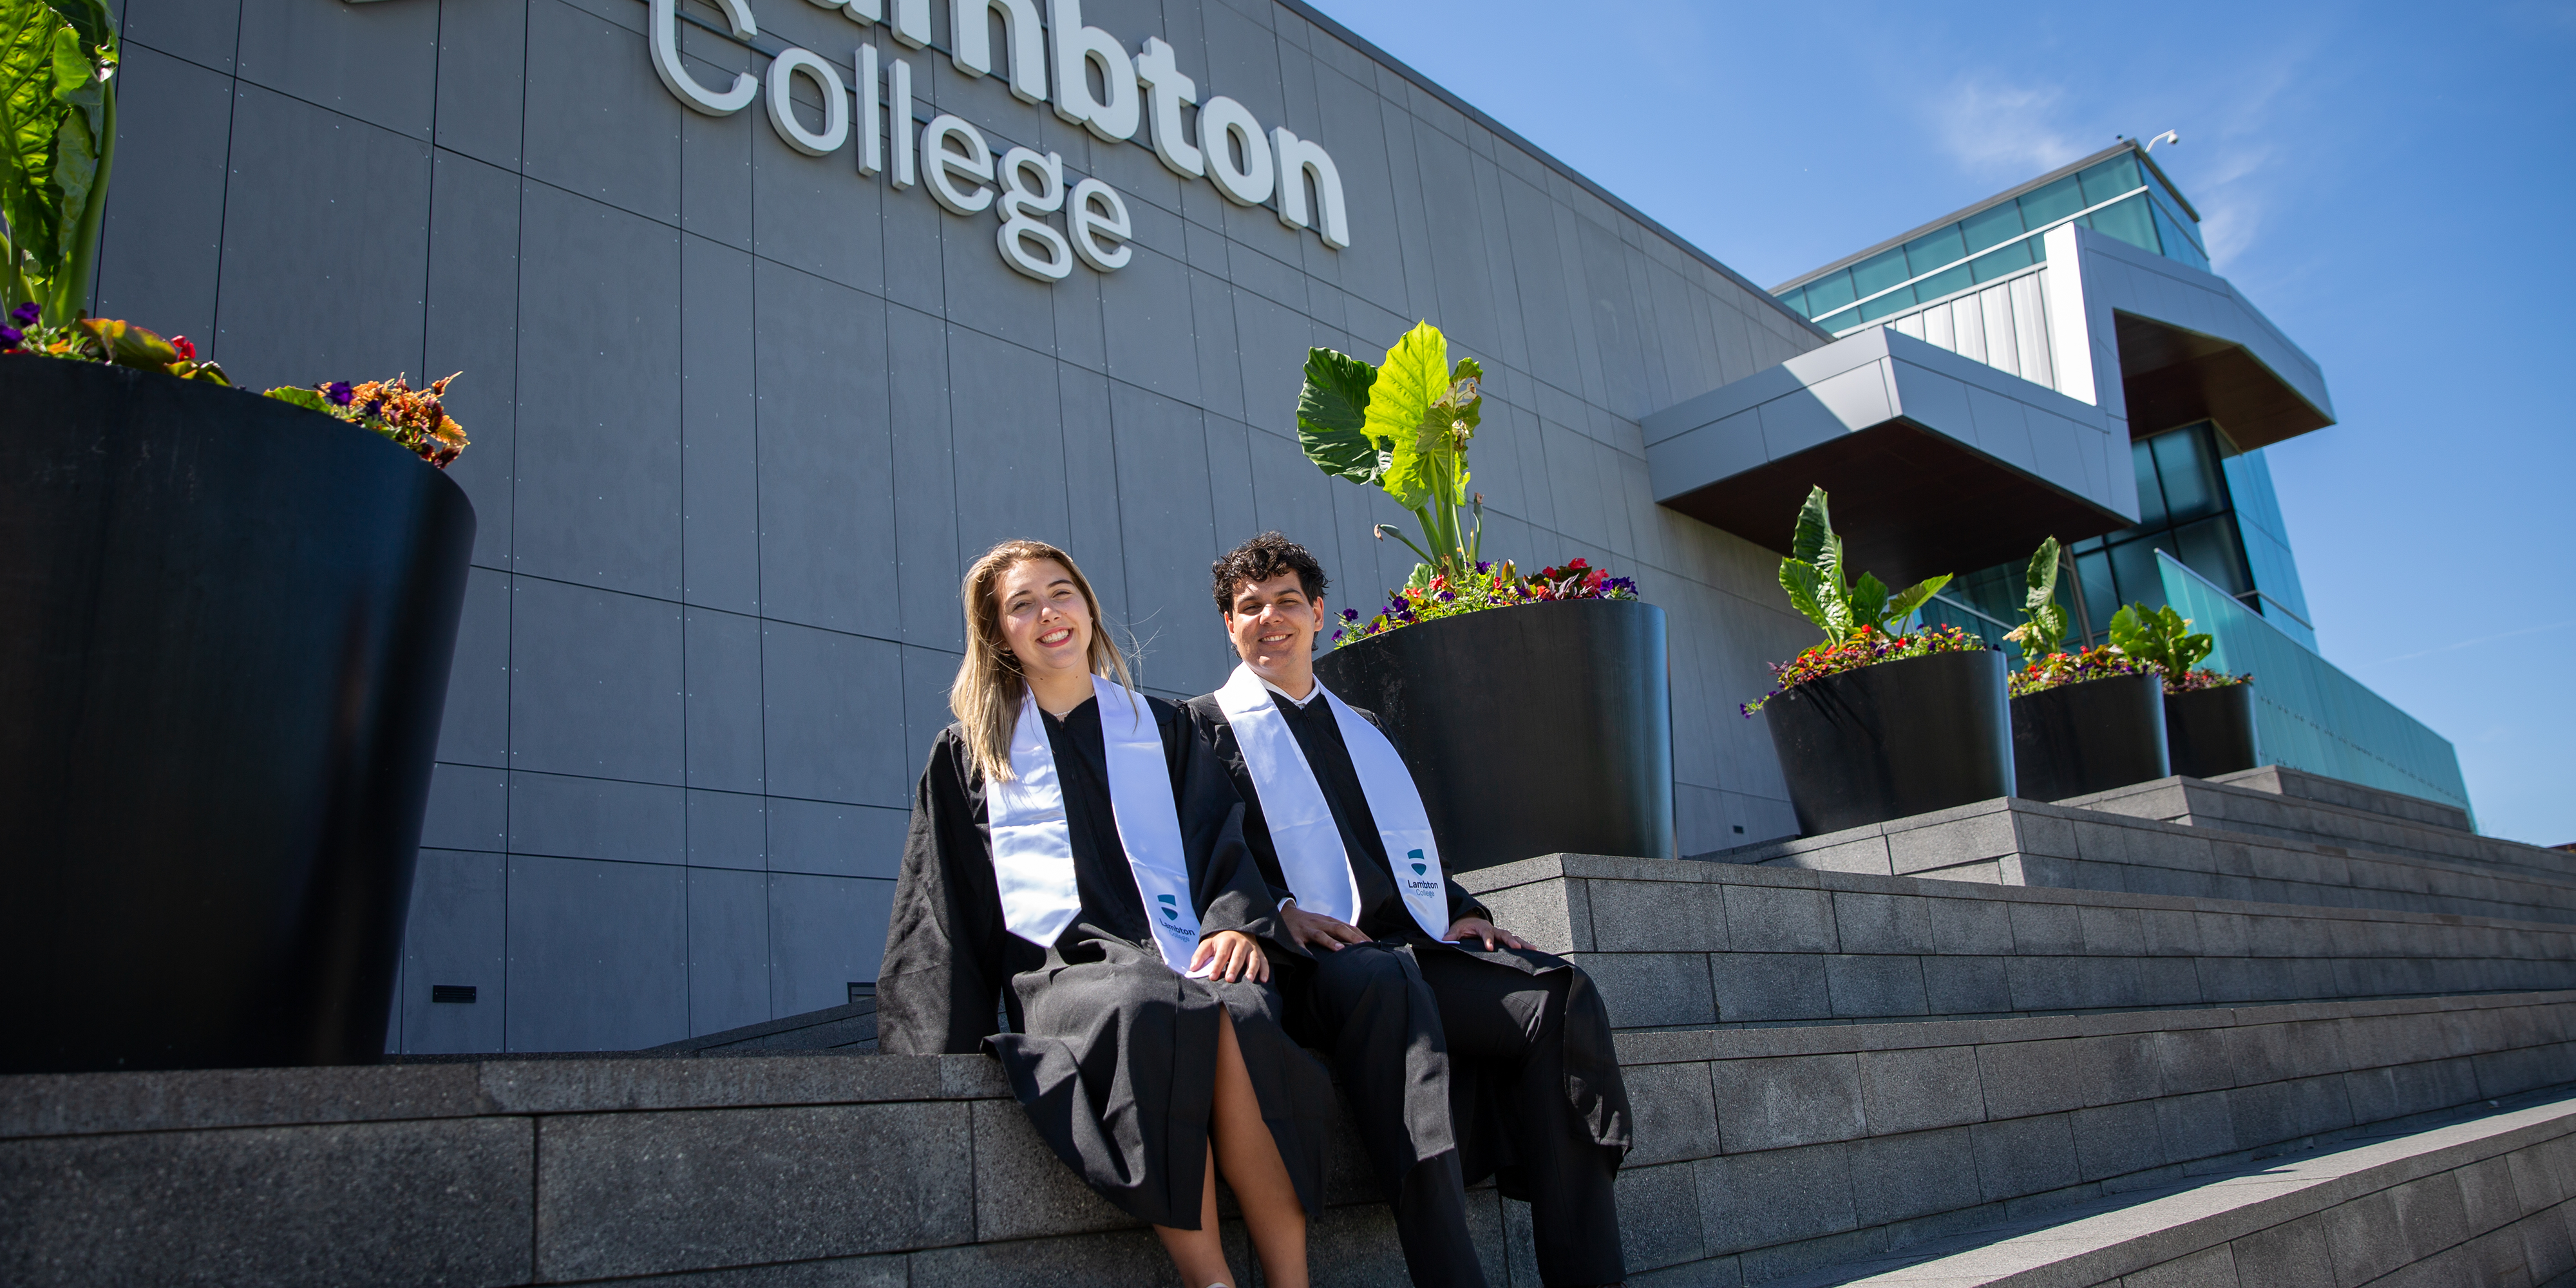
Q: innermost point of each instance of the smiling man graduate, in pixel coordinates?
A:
(1463, 1051)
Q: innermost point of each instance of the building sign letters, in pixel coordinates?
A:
(1050, 61)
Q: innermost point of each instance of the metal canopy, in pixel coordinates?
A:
(1936, 463)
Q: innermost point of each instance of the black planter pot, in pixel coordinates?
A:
(1894, 740)
(1540, 729)
(225, 628)
(2209, 732)
(2089, 737)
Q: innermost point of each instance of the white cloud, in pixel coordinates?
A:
(2005, 130)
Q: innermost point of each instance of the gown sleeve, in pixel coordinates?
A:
(943, 969)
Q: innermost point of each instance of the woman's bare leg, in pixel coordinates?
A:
(1200, 1254)
(1271, 1211)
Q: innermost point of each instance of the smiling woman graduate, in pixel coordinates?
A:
(1077, 854)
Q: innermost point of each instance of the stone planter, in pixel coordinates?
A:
(1539, 729)
(2088, 737)
(2209, 732)
(1894, 740)
(225, 628)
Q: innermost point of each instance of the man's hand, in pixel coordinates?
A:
(1479, 928)
(1236, 956)
(1315, 930)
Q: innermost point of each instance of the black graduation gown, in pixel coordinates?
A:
(1594, 1090)
(1110, 1051)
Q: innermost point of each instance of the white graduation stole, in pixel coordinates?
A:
(1033, 844)
(1311, 856)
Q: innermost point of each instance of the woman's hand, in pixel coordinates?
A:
(1315, 930)
(1236, 955)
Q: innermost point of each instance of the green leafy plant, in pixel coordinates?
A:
(2043, 628)
(1814, 576)
(2159, 637)
(1403, 426)
(105, 340)
(57, 144)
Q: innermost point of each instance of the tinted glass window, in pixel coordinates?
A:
(2134, 564)
(2151, 500)
(1996, 263)
(1796, 298)
(1942, 283)
(1992, 226)
(2190, 472)
(1894, 301)
(2129, 222)
(2110, 179)
(1879, 271)
(2209, 548)
(2052, 203)
(2101, 595)
(2177, 240)
(1830, 292)
(1933, 250)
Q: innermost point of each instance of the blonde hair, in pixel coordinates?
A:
(989, 689)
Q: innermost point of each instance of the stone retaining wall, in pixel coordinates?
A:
(1677, 942)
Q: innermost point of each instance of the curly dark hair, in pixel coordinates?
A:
(1262, 558)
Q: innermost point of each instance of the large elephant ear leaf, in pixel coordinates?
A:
(2042, 577)
(1815, 528)
(1332, 412)
(29, 120)
(1915, 596)
(1805, 594)
(1414, 376)
(1869, 602)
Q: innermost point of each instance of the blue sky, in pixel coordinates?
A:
(2389, 183)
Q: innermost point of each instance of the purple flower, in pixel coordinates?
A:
(1485, 566)
(10, 336)
(1350, 614)
(1448, 596)
(376, 407)
(26, 314)
(339, 393)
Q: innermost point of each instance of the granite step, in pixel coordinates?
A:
(1768, 1153)
(1761, 1153)
(2010, 841)
(2488, 1201)
(2282, 780)
(1676, 943)
(2241, 807)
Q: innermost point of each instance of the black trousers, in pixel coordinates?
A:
(1398, 1020)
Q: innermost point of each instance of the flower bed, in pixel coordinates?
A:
(1868, 646)
(2073, 668)
(1486, 586)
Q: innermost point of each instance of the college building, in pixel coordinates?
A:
(772, 314)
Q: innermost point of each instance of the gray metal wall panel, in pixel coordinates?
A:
(168, 252)
(598, 955)
(803, 414)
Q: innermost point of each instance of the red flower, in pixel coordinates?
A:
(187, 348)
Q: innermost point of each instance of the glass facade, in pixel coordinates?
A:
(2118, 197)
(2217, 516)
(2308, 714)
